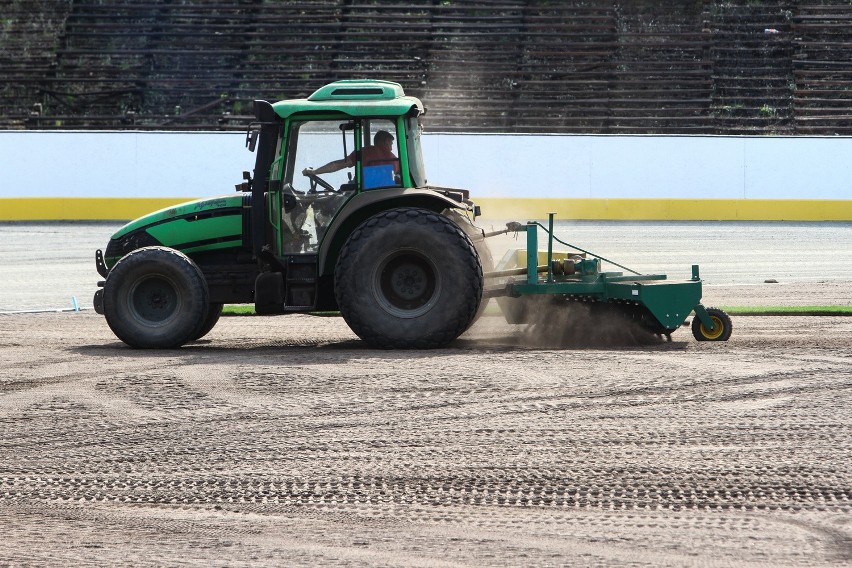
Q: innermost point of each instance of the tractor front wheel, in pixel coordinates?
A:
(214, 312)
(156, 297)
(408, 278)
(722, 326)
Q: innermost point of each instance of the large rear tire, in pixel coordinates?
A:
(156, 297)
(408, 278)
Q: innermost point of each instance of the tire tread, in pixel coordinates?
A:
(455, 324)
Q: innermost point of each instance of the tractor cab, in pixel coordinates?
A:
(346, 139)
(324, 164)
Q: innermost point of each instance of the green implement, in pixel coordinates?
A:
(650, 300)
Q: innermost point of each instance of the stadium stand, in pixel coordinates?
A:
(752, 55)
(591, 66)
(822, 70)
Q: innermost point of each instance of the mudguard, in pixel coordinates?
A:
(369, 203)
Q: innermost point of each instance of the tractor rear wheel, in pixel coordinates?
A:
(722, 326)
(408, 278)
(156, 297)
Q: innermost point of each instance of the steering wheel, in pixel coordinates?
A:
(316, 180)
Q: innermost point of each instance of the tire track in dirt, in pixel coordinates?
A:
(252, 446)
(453, 536)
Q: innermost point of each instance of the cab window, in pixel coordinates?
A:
(413, 133)
(317, 143)
(309, 203)
(379, 155)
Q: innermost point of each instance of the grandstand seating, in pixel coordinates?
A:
(591, 66)
(822, 70)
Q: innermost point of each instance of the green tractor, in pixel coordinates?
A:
(337, 215)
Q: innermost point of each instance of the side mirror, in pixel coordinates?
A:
(246, 185)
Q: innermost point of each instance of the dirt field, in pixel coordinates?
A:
(283, 441)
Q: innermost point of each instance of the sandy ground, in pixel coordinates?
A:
(283, 441)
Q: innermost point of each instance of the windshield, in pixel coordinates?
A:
(413, 132)
(319, 142)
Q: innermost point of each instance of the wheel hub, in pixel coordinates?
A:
(717, 328)
(153, 300)
(407, 284)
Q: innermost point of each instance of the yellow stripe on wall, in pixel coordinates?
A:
(669, 209)
(123, 209)
(82, 208)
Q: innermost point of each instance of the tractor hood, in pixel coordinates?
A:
(202, 225)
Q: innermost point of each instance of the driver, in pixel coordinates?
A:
(379, 154)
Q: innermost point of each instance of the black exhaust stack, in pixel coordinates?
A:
(268, 138)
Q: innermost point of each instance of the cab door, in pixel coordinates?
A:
(305, 206)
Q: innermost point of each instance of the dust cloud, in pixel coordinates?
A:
(584, 325)
(553, 323)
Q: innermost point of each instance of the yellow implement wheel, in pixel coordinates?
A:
(721, 326)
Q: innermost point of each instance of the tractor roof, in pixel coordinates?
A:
(361, 97)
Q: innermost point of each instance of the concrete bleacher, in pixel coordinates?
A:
(752, 53)
(29, 37)
(592, 66)
(822, 69)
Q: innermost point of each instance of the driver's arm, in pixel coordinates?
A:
(334, 166)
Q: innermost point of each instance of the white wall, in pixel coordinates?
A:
(181, 164)
(644, 166)
(121, 164)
